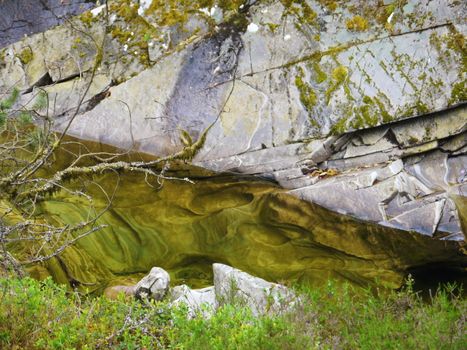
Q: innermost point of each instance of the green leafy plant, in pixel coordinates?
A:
(42, 315)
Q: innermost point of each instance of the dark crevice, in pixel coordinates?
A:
(71, 280)
(68, 78)
(96, 99)
(45, 80)
(431, 276)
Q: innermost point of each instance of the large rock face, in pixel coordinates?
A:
(357, 106)
(25, 17)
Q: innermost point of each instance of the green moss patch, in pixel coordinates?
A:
(357, 24)
(307, 94)
(26, 55)
(339, 76)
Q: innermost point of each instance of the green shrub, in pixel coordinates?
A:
(43, 315)
(8, 102)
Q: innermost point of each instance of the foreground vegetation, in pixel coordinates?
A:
(43, 315)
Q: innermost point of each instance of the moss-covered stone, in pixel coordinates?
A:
(320, 75)
(307, 94)
(371, 112)
(26, 55)
(340, 126)
(331, 5)
(87, 18)
(357, 24)
(175, 12)
(132, 31)
(272, 26)
(339, 76)
(458, 93)
(302, 11)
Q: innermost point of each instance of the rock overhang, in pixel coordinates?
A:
(288, 107)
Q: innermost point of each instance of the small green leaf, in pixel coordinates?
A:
(25, 117)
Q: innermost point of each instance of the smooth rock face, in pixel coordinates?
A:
(290, 81)
(369, 122)
(257, 294)
(25, 17)
(155, 285)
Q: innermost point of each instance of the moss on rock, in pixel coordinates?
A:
(357, 24)
(26, 55)
(339, 76)
(307, 95)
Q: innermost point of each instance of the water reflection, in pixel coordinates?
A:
(242, 221)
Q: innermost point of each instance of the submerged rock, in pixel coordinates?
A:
(114, 291)
(246, 222)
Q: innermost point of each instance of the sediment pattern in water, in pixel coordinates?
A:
(243, 222)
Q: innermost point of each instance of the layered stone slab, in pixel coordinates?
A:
(326, 100)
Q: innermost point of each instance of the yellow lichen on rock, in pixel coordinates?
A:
(357, 24)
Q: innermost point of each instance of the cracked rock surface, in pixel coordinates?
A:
(365, 119)
(25, 17)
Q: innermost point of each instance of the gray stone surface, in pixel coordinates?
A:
(25, 17)
(199, 301)
(231, 286)
(153, 286)
(369, 123)
(260, 296)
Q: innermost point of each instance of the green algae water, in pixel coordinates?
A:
(246, 222)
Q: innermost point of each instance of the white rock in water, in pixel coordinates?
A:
(154, 286)
(261, 296)
(253, 28)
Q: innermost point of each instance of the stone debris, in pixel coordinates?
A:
(231, 286)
